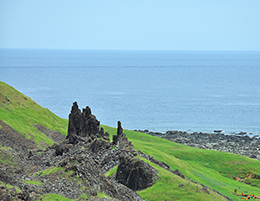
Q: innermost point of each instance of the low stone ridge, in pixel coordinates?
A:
(153, 160)
(161, 164)
(238, 144)
(135, 173)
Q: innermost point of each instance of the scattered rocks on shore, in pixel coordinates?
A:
(238, 144)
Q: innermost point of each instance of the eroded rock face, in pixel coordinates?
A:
(135, 173)
(84, 124)
(98, 145)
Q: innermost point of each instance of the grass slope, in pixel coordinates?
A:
(22, 113)
(212, 168)
(167, 188)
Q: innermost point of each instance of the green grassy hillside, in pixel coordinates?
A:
(22, 113)
(212, 168)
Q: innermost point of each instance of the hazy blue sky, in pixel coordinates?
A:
(131, 24)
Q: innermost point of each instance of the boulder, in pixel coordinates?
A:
(178, 173)
(135, 173)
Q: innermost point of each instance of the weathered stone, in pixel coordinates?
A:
(115, 139)
(181, 185)
(177, 172)
(153, 160)
(82, 124)
(121, 138)
(119, 128)
(98, 145)
(61, 148)
(135, 173)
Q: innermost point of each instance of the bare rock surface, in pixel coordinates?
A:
(135, 173)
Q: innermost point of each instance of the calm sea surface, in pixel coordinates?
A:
(155, 90)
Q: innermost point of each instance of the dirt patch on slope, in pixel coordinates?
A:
(52, 134)
(11, 138)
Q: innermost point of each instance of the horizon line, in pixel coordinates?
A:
(194, 50)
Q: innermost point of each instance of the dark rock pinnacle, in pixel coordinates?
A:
(83, 124)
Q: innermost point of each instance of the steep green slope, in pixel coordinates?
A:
(214, 169)
(22, 113)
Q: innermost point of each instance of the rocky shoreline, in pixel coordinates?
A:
(237, 144)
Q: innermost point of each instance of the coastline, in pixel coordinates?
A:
(238, 144)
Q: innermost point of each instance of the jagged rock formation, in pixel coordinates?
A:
(121, 138)
(88, 153)
(135, 173)
(83, 124)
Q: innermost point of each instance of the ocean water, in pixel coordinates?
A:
(156, 90)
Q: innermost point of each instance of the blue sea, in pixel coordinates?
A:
(156, 90)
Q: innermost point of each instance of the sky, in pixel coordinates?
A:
(131, 25)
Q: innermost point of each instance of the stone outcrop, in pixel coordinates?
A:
(83, 124)
(87, 154)
(161, 164)
(76, 166)
(61, 148)
(84, 167)
(135, 173)
(120, 139)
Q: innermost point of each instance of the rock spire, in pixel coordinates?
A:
(83, 124)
